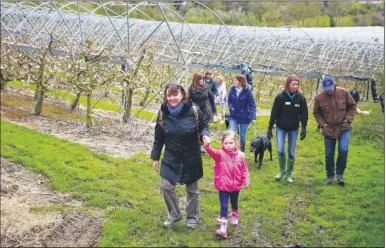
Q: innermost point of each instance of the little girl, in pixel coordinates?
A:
(230, 175)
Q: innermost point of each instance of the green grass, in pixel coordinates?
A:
(307, 212)
(263, 106)
(21, 84)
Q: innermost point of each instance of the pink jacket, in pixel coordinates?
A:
(230, 169)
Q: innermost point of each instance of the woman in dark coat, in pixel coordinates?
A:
(202, 96)
(289, 109)
(179, 127)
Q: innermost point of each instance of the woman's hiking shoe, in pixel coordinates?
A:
(170, 222)
(329, 180)
(191, 223)
(340, 180)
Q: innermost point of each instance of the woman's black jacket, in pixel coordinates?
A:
(182, 162)
(287, 112)
(204, 99)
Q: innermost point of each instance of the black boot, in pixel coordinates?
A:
(242, 146)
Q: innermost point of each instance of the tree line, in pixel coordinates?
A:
(270, 14)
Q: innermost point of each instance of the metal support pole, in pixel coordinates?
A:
(368, 89)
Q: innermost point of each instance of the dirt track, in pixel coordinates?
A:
(22, 192)
(26, 195)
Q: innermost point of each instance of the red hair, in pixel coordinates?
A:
(241, 79)
(289, 79)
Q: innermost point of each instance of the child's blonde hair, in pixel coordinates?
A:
(221, 79)
(228, 133)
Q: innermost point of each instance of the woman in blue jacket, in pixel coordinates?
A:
(242, 107)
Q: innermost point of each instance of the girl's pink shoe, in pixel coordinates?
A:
(222, 232)
(235, 218)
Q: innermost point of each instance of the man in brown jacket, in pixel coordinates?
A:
(334, 111)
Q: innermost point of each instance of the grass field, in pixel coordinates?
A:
(306, 213)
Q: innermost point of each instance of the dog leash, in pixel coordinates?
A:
(254, 129)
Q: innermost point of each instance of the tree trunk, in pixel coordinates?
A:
(36, 93)
(129, 104)
(39, 99)
(76, 101)
(40, 90)
(129, 92)
(145, 96)
(2, 82)
(271, 91)
(88, 111)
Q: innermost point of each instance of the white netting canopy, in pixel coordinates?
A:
(352, 51)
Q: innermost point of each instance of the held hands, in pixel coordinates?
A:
(206, 141)
(303, 133)
(155, 165)
(269, 133)
(245, 186)
(253, 122)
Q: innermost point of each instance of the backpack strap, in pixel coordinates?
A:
(160, 119)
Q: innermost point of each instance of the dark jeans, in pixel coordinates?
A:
(329, 146)
(224, 196)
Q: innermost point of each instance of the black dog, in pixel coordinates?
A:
(259, 145)
(227, 123)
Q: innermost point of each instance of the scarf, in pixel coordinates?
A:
(291, 95)
(175, 111)
(238, 91)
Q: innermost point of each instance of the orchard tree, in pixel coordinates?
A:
(39, 70)
(156, 75)
(15, 65)
(130, 81)
(86, 73)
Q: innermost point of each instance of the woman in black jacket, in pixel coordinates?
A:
(201, 95)
(179, 127)
(289, 108)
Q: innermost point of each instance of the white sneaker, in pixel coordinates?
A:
(170, 222)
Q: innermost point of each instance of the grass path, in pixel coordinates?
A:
(306, 213)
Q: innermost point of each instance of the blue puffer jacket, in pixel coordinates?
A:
(242, 108)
